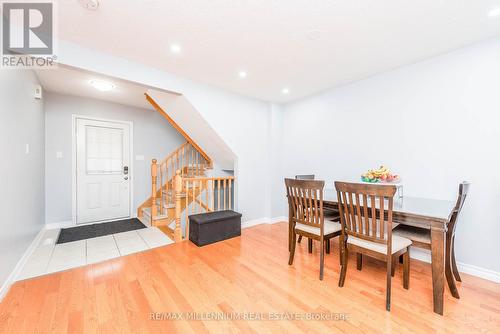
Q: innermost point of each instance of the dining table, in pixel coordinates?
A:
(427, 213)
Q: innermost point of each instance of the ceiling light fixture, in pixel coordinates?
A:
(175, 48)
(494, 12)
(285, 91)
(89, 4)
(313, 35)
(242, 74)
(103, 86)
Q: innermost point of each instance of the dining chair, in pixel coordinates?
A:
(421, 238)
(364, 234)
(332, 215)
(305, 200)
(305, 177)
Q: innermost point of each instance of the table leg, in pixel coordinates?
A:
(437, 250)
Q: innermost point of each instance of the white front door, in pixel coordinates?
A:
(102, 170)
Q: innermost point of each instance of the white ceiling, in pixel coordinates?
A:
(305, 45)
(70, 81)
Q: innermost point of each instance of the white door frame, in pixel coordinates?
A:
(74, 191)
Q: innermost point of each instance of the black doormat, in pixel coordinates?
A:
(98, 230)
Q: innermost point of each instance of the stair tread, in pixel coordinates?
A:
(147, 211)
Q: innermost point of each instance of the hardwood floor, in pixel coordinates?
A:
(247, 274)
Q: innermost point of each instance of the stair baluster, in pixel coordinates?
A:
(178, 206)
(154, 176)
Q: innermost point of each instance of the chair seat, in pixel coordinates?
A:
(413, 233)
(398, 243)
(329, 228)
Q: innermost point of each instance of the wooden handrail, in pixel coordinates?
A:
(177, 150)
(222, 178)
(178, 128)
(179, 188)
(188, 160)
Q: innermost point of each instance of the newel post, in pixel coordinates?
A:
(178, 207)
(154, 177)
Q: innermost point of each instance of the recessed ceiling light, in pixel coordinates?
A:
(494, 12)
(175, 48)
(242, 74)
(103, 86)
(89, 4)
(285, 91)
(313, 35)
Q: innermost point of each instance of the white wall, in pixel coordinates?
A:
(436, 123)
(22, 186)
(276, 183)
(241, 122)
(154, 137)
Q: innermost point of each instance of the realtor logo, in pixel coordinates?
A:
(27, 34)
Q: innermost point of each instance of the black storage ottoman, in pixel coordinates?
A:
(207, 228)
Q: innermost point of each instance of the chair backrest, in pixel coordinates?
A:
(463, 189)
(305, 200)
(358, 204)
(304, 177)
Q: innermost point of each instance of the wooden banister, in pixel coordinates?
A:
(179, 188)
(178, 128)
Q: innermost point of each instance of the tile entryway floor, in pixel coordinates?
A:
(49, 257)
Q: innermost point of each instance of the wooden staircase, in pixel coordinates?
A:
(179, 188)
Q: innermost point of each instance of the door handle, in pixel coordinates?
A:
(125, 178)
(125, 170)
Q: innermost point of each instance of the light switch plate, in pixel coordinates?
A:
(59, 155)
(27, 149)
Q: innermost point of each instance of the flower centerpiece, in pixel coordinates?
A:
(382, 174)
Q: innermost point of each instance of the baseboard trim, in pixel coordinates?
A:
(253, 222)
(265, 220)
(20, 264)
(65, 224)
(488, 274)
(279, 219)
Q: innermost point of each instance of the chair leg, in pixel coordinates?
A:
(454, 262)
(340, 250)
(393, 267)
(401, 259)
(388, 289)
(321, 260)
(406, 269)
(359, 261)
(447, 269)
(309, 245)
(292, 250)
(300, 239)
(343, 270)
(327, 246)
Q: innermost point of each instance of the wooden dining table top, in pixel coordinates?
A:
(409, 207)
